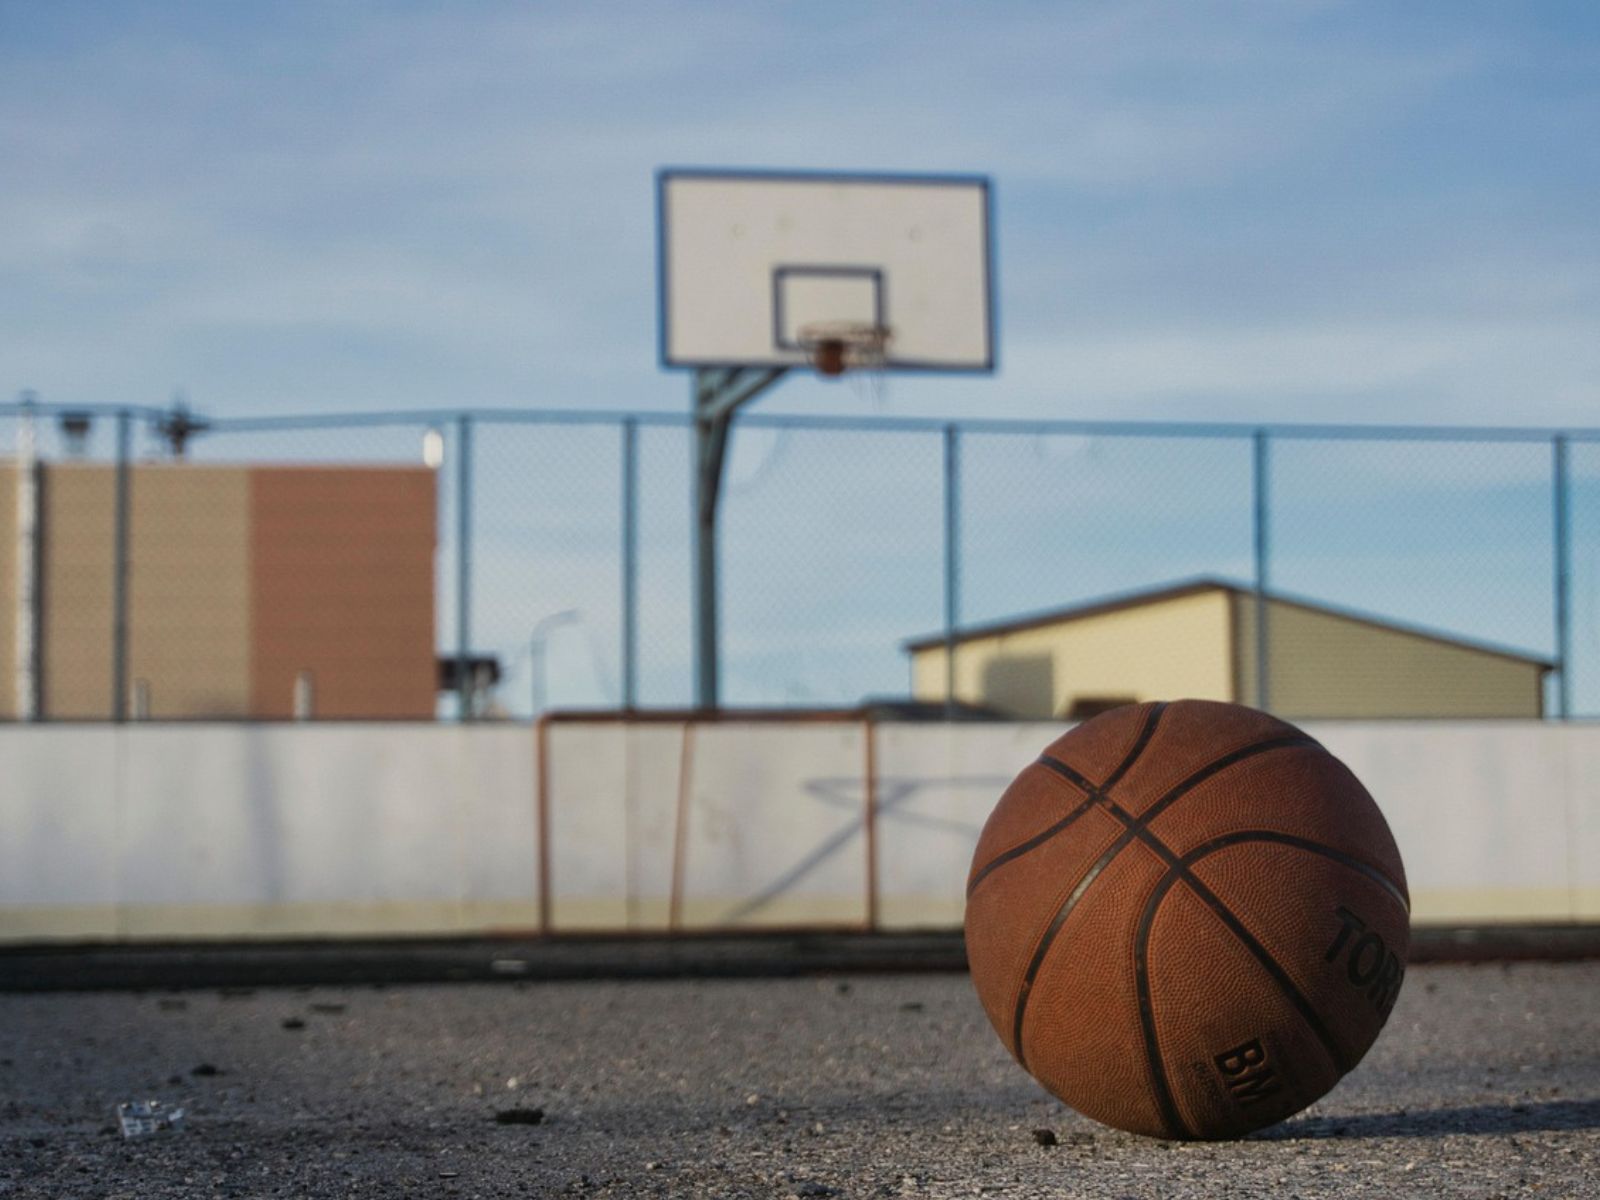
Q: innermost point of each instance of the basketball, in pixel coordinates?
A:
(1187, 920)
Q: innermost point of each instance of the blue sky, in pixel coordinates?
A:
(1229, 211)
(1279, 211)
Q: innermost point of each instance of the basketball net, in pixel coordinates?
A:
(857, 348)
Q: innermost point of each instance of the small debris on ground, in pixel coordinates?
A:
(519, 1116)
(141, 1118)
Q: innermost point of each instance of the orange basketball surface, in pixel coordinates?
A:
(1187, 920)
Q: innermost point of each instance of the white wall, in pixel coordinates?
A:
(282, 830)
(1495, 821)
(177, 831)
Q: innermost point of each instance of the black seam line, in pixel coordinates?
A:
(1281, 977)
(1022, 848)
(1206, 849)
(1079, 781)
(1091, 792)
(1067, 773)
(1286, 985)
(1147, 1017)
(1227, 760)
(1049, 936)
(1145, 734)
(1177, 870)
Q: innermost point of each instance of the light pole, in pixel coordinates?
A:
(536, 638)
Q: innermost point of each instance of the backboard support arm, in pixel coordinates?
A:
(719, 392)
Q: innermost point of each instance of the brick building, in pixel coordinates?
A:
(244, 587)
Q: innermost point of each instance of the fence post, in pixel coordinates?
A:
(630, 559)
(28, 679)
(1563, 565)
(464, 566)
(119, 568)
(952, 562)
(1260, 483)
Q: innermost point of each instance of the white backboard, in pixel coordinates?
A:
(748, 259)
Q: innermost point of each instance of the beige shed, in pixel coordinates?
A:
(1198, 639)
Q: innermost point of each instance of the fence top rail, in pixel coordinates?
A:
(1003, 426)
(1172, 429)
(41, 408)
(443, 418)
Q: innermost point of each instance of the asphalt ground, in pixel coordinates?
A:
(1485, 1083)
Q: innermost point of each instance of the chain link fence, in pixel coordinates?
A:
(493, 565)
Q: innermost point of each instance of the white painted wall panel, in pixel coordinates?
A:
(588, 789)
(775, 831)
(653, 759)
(235, 830)
(936, 787)
(493, 777)
(238, 830)
(1479, 810)
(1583, 820)
(58, 826)
(268, 814)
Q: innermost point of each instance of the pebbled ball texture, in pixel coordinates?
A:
(1187, 920)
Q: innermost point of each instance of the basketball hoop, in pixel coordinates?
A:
(835, 347)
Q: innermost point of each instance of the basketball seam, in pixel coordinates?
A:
(1048, 935)
(1047, 939)
(1147, 1015)
(1032, 843)
(1179, 872)
(1196, 778)
(1274, 968)
(1095, 793)
(1067, 773)
(1243, 836)
(1091, 794)
(1146, 734)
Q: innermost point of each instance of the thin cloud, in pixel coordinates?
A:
(1201, 209)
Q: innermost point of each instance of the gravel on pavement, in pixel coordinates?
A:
(1486, 1083)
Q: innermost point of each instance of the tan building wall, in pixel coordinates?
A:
(189, 589)
(78, 514)
(1323, 664)
(1199, 642)
(8, 590)
(239, 578)
(1139, 652)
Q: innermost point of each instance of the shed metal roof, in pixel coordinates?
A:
(1193, 587)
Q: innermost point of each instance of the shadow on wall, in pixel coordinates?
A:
(1021, 687)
